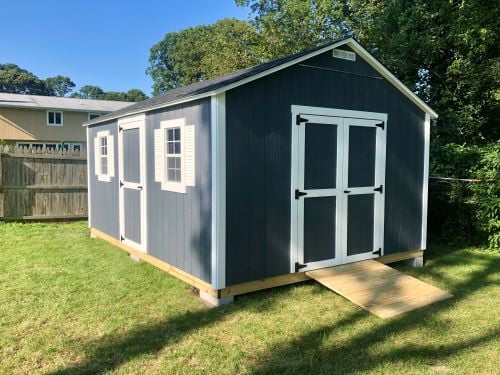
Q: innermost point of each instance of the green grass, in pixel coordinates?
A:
(70, 304)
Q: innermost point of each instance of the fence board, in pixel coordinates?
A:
(42, 184)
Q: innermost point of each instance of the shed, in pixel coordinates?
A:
(246, 181)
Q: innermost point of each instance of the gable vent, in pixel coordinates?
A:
(344, 55)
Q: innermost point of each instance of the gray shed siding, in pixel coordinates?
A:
(179, 225)
(258, 131)
(104, 195)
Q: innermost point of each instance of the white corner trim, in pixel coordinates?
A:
(425, 182)
(89, 188)
(218, 158)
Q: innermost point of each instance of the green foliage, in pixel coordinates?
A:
(203, 52)
(16, 80)
(59, 85)
(95, 92)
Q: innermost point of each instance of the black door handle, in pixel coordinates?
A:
(299, 194)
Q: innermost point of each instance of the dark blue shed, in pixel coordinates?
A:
(246, 181)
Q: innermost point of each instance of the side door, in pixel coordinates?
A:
(131, 149)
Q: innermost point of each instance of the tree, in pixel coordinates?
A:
(89, 92)
(203, 52)
(16, 80)
(59, 85)
(135, 95)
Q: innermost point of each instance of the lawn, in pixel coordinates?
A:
(70, 304)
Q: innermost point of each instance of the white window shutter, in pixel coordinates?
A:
(97, 156)
(159, 155)
(189, 155)
(111, 156)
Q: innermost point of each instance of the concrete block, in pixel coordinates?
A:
(215, 301)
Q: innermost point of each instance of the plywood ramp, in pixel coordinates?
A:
(378, 288)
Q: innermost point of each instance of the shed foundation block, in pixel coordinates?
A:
(135, 258)
(215, 301)
(415, 262)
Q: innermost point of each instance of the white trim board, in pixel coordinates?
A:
(218, 157)
(425, 183)
(356, 47)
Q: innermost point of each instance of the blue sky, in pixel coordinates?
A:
(104, 43)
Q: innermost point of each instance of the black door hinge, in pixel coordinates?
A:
(299, 194)
(299, 266)
(381, 125)
(299, 120)
(120, 128)
(378, 252)
(122, 238)
(121, 183)
(379, 189)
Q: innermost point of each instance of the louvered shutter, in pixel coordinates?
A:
(97, 156)
(111, 156)
(189, 155)
(159, 135)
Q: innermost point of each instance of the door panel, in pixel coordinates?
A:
(360, 223)
(319, 229)
(362, 148)
(132, 207)
(320, 164)
(131, 155)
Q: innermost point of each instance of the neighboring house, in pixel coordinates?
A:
(47, 121)
(246, 181)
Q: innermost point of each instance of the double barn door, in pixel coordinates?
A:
(338, 186)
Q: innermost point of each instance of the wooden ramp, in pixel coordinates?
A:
(378, 288)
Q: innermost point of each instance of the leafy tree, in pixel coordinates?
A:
(59, 85)
(135, 95)
(89, 92)
(202, 52)
(16, 80)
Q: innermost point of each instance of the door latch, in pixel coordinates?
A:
(299, 266)
(299, 194)
(139, 187)
(347, 191)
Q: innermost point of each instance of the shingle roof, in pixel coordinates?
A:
(53, 102)
(206, 86)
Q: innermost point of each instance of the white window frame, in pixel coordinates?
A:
(174, 186)
(54, 112)
(109, 158)
(99, 114)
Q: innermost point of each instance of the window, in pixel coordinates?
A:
(174, 155)
(104, 156)
(54, 118)
(94, 115)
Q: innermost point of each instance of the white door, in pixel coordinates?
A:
(338, 162)
(132, 182)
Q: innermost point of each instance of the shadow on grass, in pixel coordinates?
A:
(309, 353)
(306, 353)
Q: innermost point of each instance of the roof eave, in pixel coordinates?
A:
(349, 41)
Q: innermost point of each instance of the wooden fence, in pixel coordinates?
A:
(42, 184)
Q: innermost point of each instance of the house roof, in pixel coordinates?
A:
(224, 83)
(53, 102)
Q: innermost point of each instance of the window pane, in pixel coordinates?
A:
(170, 148)
(177, 147)
(104, 165)
(178, 175)
(177, 134)
(51, 117)
(170, 163)
(58, 118)
(171, 175)
(170, 134)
